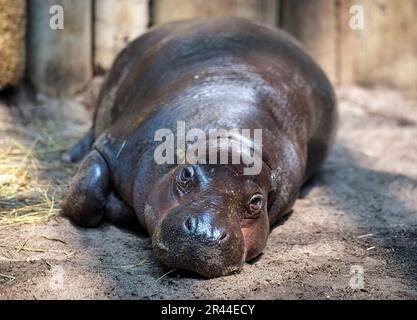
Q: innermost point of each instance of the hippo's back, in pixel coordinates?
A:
(174, 53)
(169, 62)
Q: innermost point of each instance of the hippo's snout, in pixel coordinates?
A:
(203, 231)
(199, 242)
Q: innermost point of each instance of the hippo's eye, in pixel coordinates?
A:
(184, 177)
(255, 205)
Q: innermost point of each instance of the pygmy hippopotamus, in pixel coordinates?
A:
(223, 73)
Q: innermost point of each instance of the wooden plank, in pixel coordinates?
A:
(12, 41)
(171, 10)
(313, 23)
(345, 45)
(383, 52)
(116, 23)
(386, 49)
(60, 60)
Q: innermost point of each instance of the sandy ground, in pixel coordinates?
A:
(352, 234)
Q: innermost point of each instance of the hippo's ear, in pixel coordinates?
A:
(282, 194)
(275, 181)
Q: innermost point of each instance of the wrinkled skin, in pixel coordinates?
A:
(222, 73)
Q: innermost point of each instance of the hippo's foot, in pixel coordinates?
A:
(89, 199)
(85, 199)
(80, 149)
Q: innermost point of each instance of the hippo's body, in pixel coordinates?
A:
(222, 73)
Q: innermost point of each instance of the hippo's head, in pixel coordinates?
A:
(209, 219)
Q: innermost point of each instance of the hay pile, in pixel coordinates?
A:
(12, 41)
(24, 197)
(31, 174)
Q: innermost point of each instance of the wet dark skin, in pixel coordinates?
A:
(222, 73)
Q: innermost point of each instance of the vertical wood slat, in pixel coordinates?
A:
(386, 49)
(345, 59)
(60, 61)
(115, 24)
(313, 23)
(12, 41)
(172, 10)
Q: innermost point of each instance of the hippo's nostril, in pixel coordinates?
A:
(189, 224)
(223, 236)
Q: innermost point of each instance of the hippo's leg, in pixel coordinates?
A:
(119, 213)
(80, 149)
(86, 196)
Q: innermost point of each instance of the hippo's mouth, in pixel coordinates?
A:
(188, 254)
(157, 243)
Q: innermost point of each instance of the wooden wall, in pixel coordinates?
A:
(62, 62)
(383, 52)
(171, 10)
(116, 23)
(59, 60)
(12, 41)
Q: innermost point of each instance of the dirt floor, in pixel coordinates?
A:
(352, 234)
